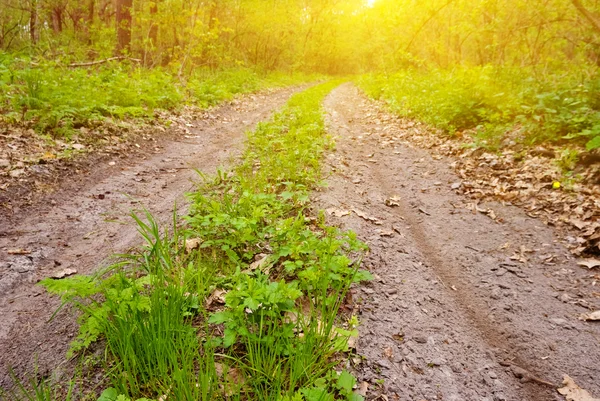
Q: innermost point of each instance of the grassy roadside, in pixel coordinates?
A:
(497, 106)
(57, 101)
(242, 300)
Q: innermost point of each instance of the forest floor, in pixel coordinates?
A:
(464, 305)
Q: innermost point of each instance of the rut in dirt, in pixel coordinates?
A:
(89, 220)
(449, 315)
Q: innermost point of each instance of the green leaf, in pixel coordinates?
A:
(346, 382)
(317, 394)
(219, 317)
(110, 394)
(229, 337)
(594, 143)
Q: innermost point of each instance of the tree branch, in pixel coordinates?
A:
(106, 60)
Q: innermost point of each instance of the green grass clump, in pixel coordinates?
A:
(495, 101)
(55, 100)
(242, 300)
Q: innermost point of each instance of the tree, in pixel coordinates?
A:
(124, 22)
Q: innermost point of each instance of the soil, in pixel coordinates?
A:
(462, 307)
(86, 219)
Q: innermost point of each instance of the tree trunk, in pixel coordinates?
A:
(123, 19)
(57, 19)
(592, 19)
(33, 21)
(153, 34)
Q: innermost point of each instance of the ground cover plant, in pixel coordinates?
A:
(495, 103)
(57, 100)
(242, 300)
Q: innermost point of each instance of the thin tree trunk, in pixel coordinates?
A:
(153, 34)
(593, 20)
(33, 21)
(123, 19)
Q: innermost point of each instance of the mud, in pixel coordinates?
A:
(462, 307)
(88, 220)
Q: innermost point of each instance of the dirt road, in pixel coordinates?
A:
(462, 307)
(88, 221)
(451, 314)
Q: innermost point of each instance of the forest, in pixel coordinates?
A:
(486, 65)
(386, 195)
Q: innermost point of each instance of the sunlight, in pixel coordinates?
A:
(371, 3)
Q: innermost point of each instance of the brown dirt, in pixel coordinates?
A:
(87, 219)
(462, 307)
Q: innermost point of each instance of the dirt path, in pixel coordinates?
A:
(450, 314)
(89, 221)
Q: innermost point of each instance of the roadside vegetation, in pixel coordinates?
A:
(242, 299)
(495, 105)
(56, 101)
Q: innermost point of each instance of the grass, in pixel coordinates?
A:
(241, 300)
(55, 100)
(494, 103)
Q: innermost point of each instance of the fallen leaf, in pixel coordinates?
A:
(392, 201)
(590, 316)
(259, 261)
(573, 392)
(365, 216)
(19, 252)
(16, 173)
(589, 263)
(191, 244)
(64, 273)
(218, 296)
(363, 388)
(337, 212)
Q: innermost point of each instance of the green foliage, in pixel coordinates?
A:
(492, 102)
(57, 100)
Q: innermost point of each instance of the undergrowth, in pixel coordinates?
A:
(242, 300)
(55, 100)
(496, 103)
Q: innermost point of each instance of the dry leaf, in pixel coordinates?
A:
(19, 252)
(218, 296)
(260, 260)
(363, 388)
(392, 201)
(589, 263)
(232, 377)
(64, 273)
(590, 316)
(337, 212)
(573, 392)
(365, 216)
(191, 244)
